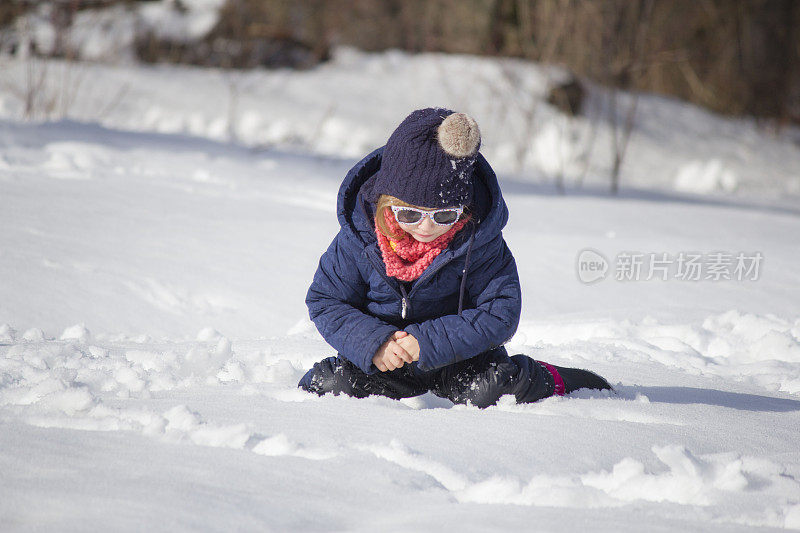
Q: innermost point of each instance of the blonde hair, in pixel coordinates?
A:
(385, 202)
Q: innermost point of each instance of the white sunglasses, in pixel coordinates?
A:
(440, 217)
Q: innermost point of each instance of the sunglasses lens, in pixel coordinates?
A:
(446, 217)
(407, 216)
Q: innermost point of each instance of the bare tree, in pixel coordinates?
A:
(625, 65)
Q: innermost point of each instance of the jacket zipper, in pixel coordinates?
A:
(428, 274)
(405, 304)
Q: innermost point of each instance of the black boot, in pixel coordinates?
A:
(576, 378)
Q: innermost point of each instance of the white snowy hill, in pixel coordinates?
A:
(345, 107)
(153, 327)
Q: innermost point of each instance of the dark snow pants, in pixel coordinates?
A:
(480, 380)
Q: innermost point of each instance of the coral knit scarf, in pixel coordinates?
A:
(407, 258)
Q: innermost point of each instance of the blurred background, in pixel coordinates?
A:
(739, 57)
(560, 86)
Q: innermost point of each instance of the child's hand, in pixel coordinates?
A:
(410, 344)
(391, 355)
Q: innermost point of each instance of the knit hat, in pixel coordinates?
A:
(429, 159)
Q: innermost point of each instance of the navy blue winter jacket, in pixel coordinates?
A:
(454, 315)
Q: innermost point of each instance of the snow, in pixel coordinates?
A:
(153, 325)
(705, 176)
(346, 107)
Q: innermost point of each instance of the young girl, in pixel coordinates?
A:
(418, 291)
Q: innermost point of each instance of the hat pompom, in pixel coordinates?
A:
(459, 135)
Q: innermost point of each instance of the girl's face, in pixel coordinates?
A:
(425, 231)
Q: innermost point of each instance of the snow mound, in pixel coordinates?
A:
(7, 334)
(688, 480)
(78, 332)
(762, 349)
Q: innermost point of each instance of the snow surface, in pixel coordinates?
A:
(152, 331)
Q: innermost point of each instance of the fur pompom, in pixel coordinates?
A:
(459, 135)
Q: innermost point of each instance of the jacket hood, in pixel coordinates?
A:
(356, 213)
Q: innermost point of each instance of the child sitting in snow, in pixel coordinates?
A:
(418, 291)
